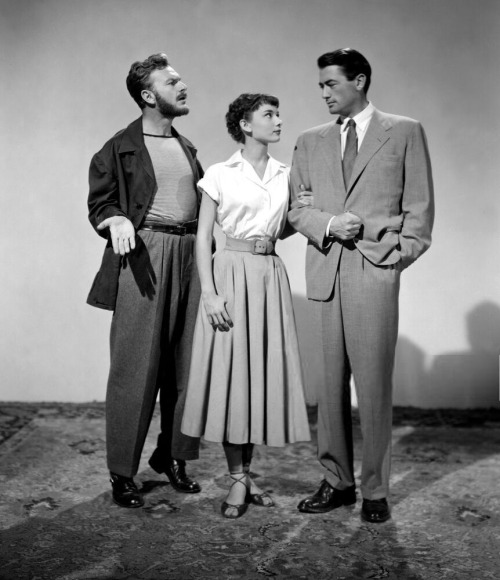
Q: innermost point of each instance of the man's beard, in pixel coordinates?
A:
(167, 109)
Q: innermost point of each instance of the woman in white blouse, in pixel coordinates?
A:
(245, 383)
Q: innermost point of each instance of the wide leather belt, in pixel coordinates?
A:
(263, 246)
(177, 229)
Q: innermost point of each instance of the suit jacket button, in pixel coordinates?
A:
(138, 205)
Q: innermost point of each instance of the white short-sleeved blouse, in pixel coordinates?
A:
(248, 207)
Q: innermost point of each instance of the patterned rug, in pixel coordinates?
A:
(57, 520)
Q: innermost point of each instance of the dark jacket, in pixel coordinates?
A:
(122, 183)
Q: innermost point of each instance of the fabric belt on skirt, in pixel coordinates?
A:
(177, 229)
(264, 246)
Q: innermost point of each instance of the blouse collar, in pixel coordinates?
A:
(273, 166)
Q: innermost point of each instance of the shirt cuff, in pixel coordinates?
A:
(329, 240)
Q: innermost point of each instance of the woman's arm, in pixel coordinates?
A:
(303, 198)
(215, 305)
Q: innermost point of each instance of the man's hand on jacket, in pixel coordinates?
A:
(122, 233)
(345, 226)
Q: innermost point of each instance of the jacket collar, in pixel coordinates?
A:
(133, 138)
(133, 141)
(377, 118)
(377, 133)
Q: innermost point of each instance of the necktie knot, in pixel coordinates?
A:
(350, 122)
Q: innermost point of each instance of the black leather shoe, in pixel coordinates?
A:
(175, 470)
(327, 498)
(125, 492)
(375, 511)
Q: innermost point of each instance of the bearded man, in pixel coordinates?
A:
(143, 199)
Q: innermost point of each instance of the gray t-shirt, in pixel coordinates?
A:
(176, 199)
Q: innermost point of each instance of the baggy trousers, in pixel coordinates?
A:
(359, 327)
(151, 339)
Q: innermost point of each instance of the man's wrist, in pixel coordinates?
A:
(109, 212)
(328, 241)
(328, 232)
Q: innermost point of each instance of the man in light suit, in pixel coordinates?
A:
(370, 175)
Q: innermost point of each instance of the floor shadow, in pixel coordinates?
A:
(183, 537)
(424, 456)
(85, 538)
(386, 556)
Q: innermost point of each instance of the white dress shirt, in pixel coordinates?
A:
(248, 207)
(362, 121)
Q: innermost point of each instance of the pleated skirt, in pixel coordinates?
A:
(246, 384)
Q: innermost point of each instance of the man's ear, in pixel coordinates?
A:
(360, 82)
(148, 97)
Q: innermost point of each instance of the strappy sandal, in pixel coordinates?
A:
(229, 510)
(262, 499)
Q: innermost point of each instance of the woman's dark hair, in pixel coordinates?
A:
(138, 76)
(352, 62)
(242, 108)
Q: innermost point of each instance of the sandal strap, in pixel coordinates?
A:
(239, 477)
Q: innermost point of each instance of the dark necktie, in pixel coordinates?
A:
(350, 151)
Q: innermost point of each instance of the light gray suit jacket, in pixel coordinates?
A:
(390, 190)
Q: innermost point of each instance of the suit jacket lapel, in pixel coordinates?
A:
(331, 152)
(377, 134)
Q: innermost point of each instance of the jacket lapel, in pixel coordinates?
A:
(133, 141)
(377, 134)
(190, 152)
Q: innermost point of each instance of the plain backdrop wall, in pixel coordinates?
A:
(63, 94)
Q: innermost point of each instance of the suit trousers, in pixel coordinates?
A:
(151, 340)
(359, 327)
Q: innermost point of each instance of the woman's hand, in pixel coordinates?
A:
(305, 197)
(215, 307)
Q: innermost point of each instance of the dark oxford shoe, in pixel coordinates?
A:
(327, 498)
(125, 492)
(375, 511)
(175, 470)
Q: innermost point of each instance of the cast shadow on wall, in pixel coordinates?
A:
(471, 378)
(464, 379)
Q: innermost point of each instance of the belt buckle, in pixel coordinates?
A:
(259, 247)
(180, 230)
(263, 246)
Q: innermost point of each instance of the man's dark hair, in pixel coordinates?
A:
(352, 62)
(242, 108)
(138, 76)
